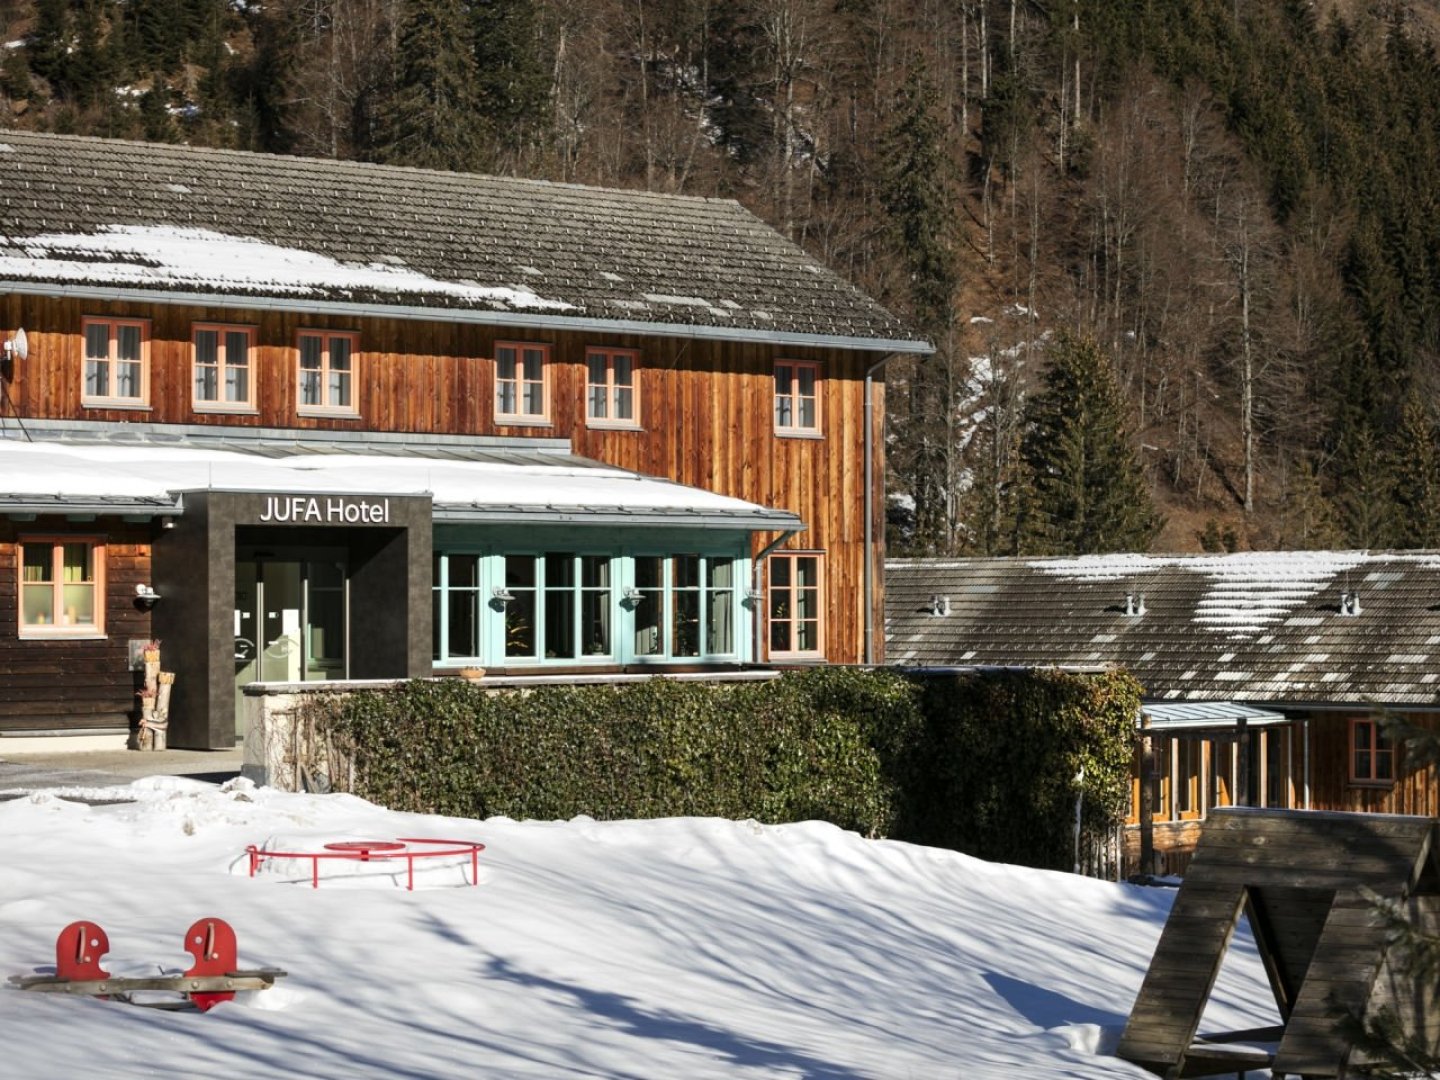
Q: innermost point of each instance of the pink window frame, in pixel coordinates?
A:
(520, 382)
(817, 653)
(252, 363)
(610, 387)
(326, 409)
(111, 401)
(795, 398)
(56, 543)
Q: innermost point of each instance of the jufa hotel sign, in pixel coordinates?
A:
(324, 510)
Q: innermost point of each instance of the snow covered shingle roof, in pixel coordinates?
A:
(1253, 626)
(90, 214)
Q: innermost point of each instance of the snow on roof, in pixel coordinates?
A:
(1246, 591)
(110, 471)
(1252, 626)
(163, 255)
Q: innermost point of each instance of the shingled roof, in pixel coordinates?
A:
(108, 217)
(1256, 626)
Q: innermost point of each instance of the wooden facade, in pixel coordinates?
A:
(1282, 773)
(83, 683)
(706, 415)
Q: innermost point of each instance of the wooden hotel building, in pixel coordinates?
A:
(309, 420)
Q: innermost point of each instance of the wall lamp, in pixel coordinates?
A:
(146, 597)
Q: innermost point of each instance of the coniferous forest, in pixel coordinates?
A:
(1180, 258)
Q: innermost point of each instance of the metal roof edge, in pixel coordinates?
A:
(52, 429)
(468, 316)
(550, 515)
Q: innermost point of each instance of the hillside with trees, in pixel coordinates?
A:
(1221, 216)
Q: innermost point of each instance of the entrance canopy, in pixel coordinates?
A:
(1175, 716)
(475, 483)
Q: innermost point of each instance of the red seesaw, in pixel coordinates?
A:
(213, 977)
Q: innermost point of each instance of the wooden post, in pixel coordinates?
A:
(1147, 797)
(1242, 752)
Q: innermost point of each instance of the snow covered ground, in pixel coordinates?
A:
(681, 948)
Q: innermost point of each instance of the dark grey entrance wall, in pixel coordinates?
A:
(194, 572)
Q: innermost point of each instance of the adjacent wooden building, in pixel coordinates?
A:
(1268, 676)
(306, 420)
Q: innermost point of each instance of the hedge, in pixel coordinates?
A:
(981, 763)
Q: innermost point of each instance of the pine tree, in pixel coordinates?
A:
(1416, 467)
(511, 83)
(1365, 491)
(430, 119)
(1307, 519)
(1086, 489)
(920, 206)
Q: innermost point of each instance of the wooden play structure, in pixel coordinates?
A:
(1309, 883)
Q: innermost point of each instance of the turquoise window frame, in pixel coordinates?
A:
(621, 558)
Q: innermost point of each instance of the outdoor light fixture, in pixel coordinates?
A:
(631, 595)
(502, 595)
(146, 596)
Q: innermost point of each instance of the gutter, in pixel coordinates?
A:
(868, 586)
(469, 316)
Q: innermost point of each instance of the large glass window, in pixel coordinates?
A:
(224, 368)
(327, 372)
(117, 362)
(522, 392)
(610, 388)
(796, 605)
(459, 608)
(61, 587)
(566, 607)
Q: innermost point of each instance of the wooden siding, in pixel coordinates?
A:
(706, 412)
(1415, 791)
(59, 684)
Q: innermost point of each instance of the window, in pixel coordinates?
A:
(569, 608)
(61, 587)
(522, 393)
(610, 392)
(459, 607)
(224, 375)
(117, 362)
(683, 606)
(326, 373)
(557, 607)
(1372, 758)
(795, 606)
(797, 397)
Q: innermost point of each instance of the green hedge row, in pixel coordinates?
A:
(982, 763)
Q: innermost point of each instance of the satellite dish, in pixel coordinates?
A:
(21, 344)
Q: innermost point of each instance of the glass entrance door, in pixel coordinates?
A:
(290, 619)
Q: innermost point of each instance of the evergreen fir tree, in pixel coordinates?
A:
(1086, 490)
(921, 212)
(1416, 467)
(430, 119)
(511, 83)
(1366, 491)
(1307, 520)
